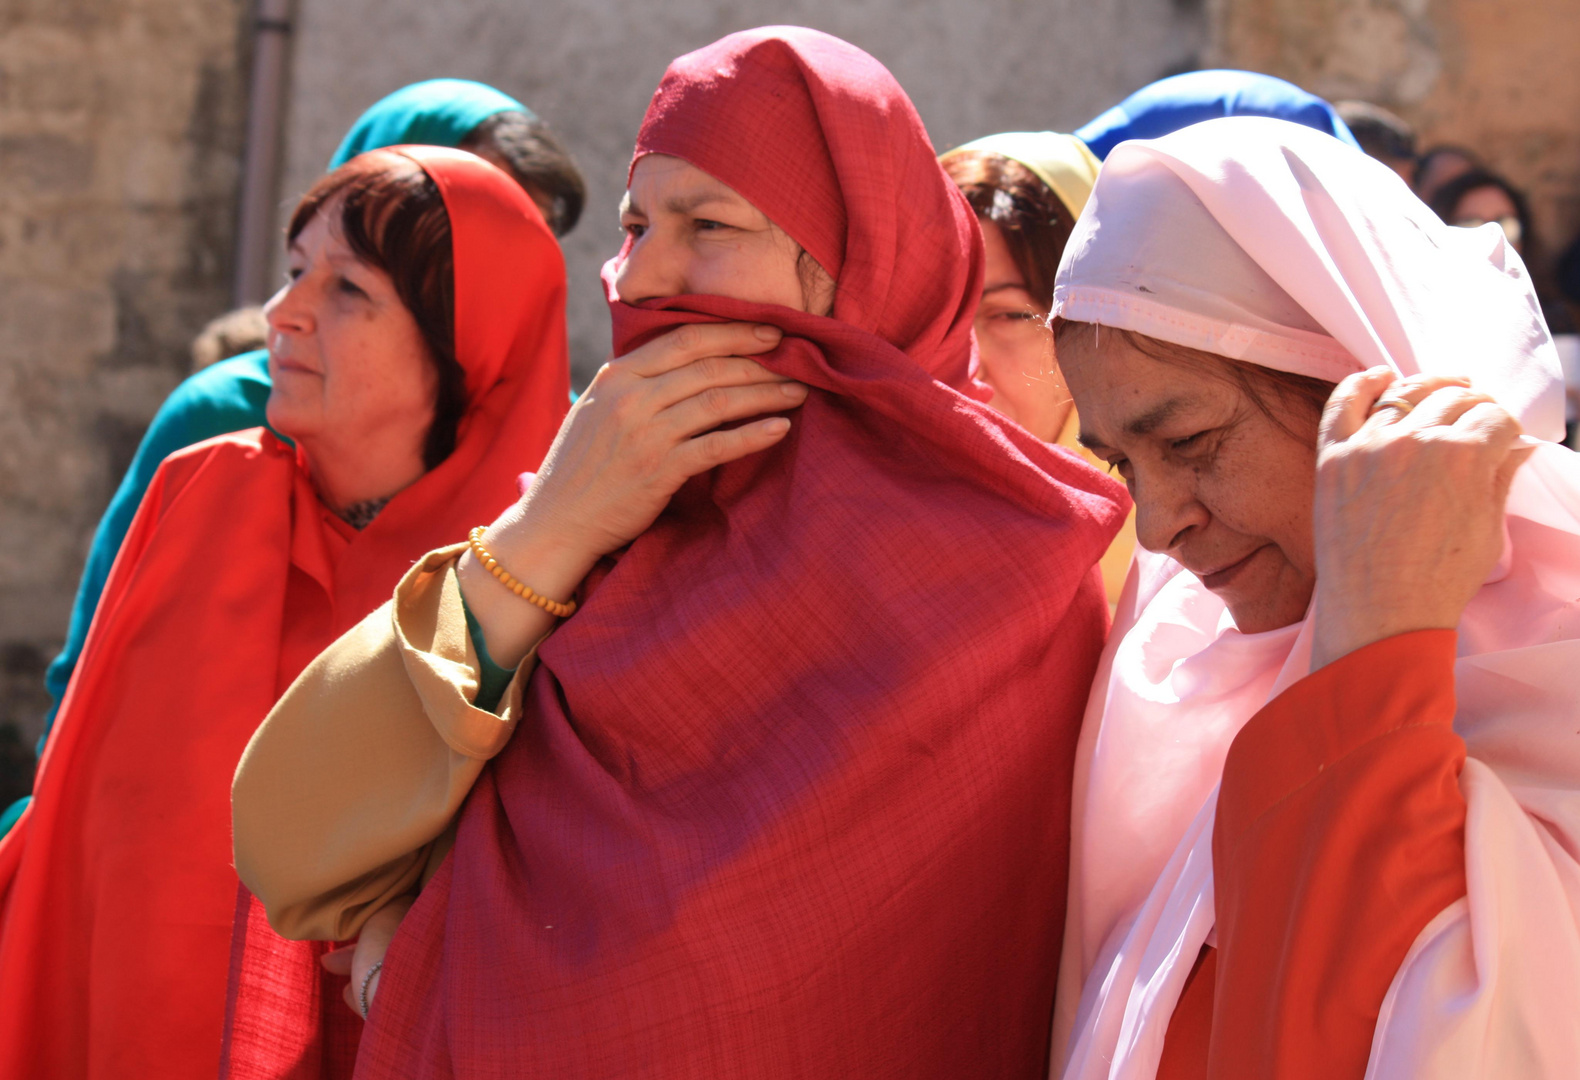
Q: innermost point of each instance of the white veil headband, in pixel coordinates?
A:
(1275, 244)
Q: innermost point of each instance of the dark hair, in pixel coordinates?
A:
(1262, 386)
(1381, 133)
(1035, 223)
(1428, 158)
(394, 218)
(526, 148)
(1446, 199)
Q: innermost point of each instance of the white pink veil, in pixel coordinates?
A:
(1273, 243)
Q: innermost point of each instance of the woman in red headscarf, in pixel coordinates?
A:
(789, 793)
(419, 362)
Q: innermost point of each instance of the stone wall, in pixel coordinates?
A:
(589, 67)
(120, 140)
(1502, 79)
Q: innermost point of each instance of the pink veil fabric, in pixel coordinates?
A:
(1269, 242)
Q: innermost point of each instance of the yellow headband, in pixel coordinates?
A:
(1061, 161)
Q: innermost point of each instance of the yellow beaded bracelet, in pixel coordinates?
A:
(520, 588)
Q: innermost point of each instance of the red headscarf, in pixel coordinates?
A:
(118, 897)
(791, 794)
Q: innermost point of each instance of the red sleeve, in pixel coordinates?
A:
(1340, 835)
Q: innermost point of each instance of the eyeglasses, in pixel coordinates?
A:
(1509, 224)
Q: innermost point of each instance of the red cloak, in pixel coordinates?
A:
(791, 794)
(117, 896)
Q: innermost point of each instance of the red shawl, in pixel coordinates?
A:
(791, 794)
(116, 889)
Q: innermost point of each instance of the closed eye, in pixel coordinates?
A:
(351, 288)
(1188, 442)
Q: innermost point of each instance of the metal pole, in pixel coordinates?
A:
(255, 238)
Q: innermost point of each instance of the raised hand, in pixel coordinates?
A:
(646, 425)
(1412, 477)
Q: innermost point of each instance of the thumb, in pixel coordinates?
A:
(338, 962)
(1351, 403)
(1503, 479)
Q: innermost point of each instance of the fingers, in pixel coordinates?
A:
(701, 375)
(1443, 406)
(1402, 401)
(692, 342)
(719, 405)
(718, 447)
(1503, 479)
(338, 962)
(1350, 403)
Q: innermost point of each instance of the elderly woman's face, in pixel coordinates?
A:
(691, 234)
(345, 355)
(1218, 485)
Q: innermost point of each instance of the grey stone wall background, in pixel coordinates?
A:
(120, 143)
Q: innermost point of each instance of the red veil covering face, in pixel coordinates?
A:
(790, 797)
(118, 897)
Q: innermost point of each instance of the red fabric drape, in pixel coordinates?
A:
(791, 794)
(117, 892)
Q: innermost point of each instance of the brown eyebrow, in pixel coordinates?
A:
(1005, 285)
(1153, 418)
(685, 204)
(678, 204)
(1145, 424)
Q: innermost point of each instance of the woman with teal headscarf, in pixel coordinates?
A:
(231, 395)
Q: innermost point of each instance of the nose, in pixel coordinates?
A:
(287, 311)
(654, 269)
(1167, 508)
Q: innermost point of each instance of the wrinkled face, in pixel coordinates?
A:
(345, 355)
(1015, 347)
(691, 234)
(1218, 485)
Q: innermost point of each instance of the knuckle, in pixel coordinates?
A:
(715, 400)
(714, 446)
(687, 338)
(623, 408)
(711, 369)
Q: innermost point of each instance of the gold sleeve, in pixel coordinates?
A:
(344, 798)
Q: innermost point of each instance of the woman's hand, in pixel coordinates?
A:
(357, 960)
(1409, 505)
(644, 427)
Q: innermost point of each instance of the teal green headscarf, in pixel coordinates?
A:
(439, 112)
